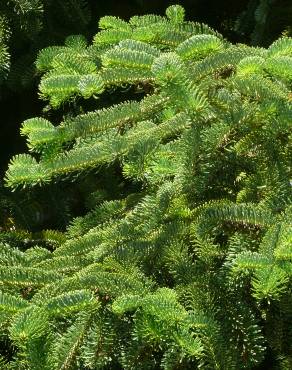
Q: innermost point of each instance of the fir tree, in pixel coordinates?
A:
(192, 267)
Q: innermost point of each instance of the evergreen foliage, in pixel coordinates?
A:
(191, 267)
(26, 26)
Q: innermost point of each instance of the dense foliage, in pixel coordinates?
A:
(27, 26)
(184, 259)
